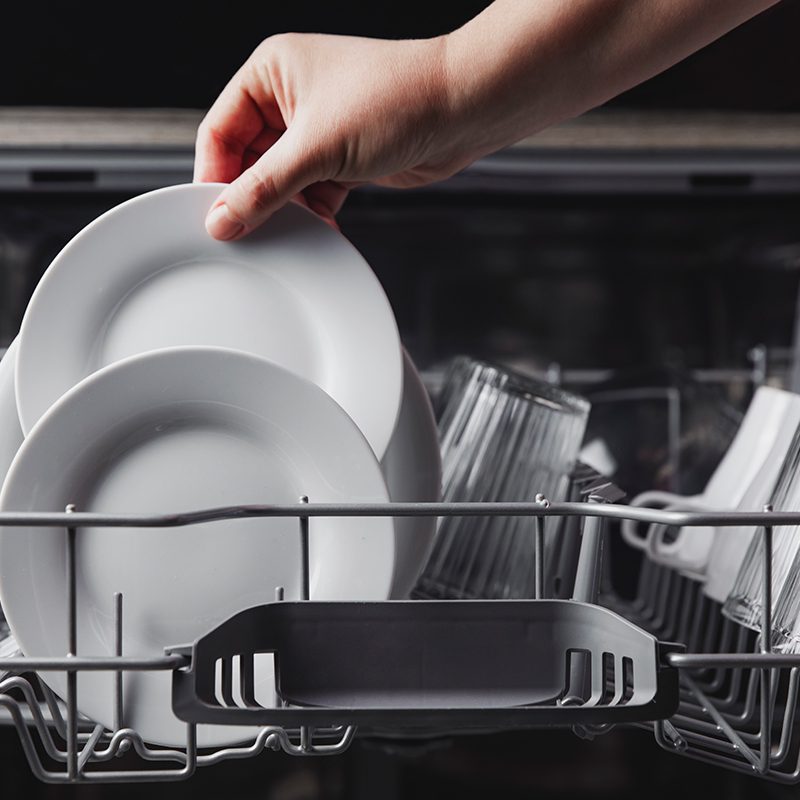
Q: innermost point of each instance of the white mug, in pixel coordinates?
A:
(731, 544)
(761, 440)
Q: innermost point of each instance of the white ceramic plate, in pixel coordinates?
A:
(412, 467)
(10, 441)
(176, 430)
(10, 431)
(146, 275)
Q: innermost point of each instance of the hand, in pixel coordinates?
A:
(311, 116)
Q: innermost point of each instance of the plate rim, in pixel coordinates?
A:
(26, 372)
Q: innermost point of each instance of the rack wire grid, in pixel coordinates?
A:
(737, 698)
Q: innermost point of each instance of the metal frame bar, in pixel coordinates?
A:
(720, 740)
(720, 519)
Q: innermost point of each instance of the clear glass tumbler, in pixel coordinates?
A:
(504, 437)
(744, 604)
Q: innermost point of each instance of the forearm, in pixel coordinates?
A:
(520, 66)
(317, 114)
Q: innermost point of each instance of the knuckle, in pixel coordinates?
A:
(256, 196)
(278, 44)
(203, 130)
(209, 132)
(284, 40)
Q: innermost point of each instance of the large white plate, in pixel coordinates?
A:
(178, 430)
(10, 431)
(10, 441)
(412, 467)
(147, 275)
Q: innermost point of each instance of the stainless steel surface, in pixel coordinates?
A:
(69, 149)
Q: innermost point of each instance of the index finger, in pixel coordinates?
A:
(232, 123)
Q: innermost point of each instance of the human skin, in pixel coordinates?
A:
(310, 116)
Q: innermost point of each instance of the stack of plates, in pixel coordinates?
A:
(158, 370)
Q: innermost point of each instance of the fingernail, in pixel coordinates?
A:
(221, 225)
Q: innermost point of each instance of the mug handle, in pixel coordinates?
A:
(650, 499)
(668, 553)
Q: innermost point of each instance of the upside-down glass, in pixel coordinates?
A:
(504, 437)
(786, 617)
(731, 544)
(744, 604)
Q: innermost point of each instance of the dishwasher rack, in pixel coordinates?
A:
(728, 700)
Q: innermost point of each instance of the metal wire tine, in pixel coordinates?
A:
(316, 750)
(733, 695)
(661, 589)
(118, 709)
(725, 727)
(306, 738)
(87, 751)
(53, 707)
(669, 737)
(724, 753)
(191, 748)
(119, 676)
(766, 646)
(677, 599)
(655, 621)
(788, 722)
(73, 767)
(705, 614)
(651, 578)
(689, 605)
(54, 717)
(305, 567)
(649, 574)
(739, 721)
(718, 640)
(40, 723)
(539, 550)
(26, 740)
(720, 746)
(279, 594)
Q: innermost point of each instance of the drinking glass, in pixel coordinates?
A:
(744, 603)
(731, 544)
(504, 437)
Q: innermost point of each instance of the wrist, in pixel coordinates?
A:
(493, 96)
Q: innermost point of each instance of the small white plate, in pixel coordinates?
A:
(10, 431)
(176, 430)
(412, 467)
(146, 275)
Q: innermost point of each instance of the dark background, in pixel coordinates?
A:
(181, 54)
(558, 275)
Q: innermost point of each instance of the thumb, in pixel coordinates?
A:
(283, 171)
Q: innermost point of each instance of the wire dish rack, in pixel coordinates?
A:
(411, 668)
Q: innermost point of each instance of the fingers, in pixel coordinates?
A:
(257, 148)
(283, 171)
(326, 198)
(229, 128)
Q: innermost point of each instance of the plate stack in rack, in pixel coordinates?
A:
(158, 371)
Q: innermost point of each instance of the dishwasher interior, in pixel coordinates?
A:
(665, 302)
